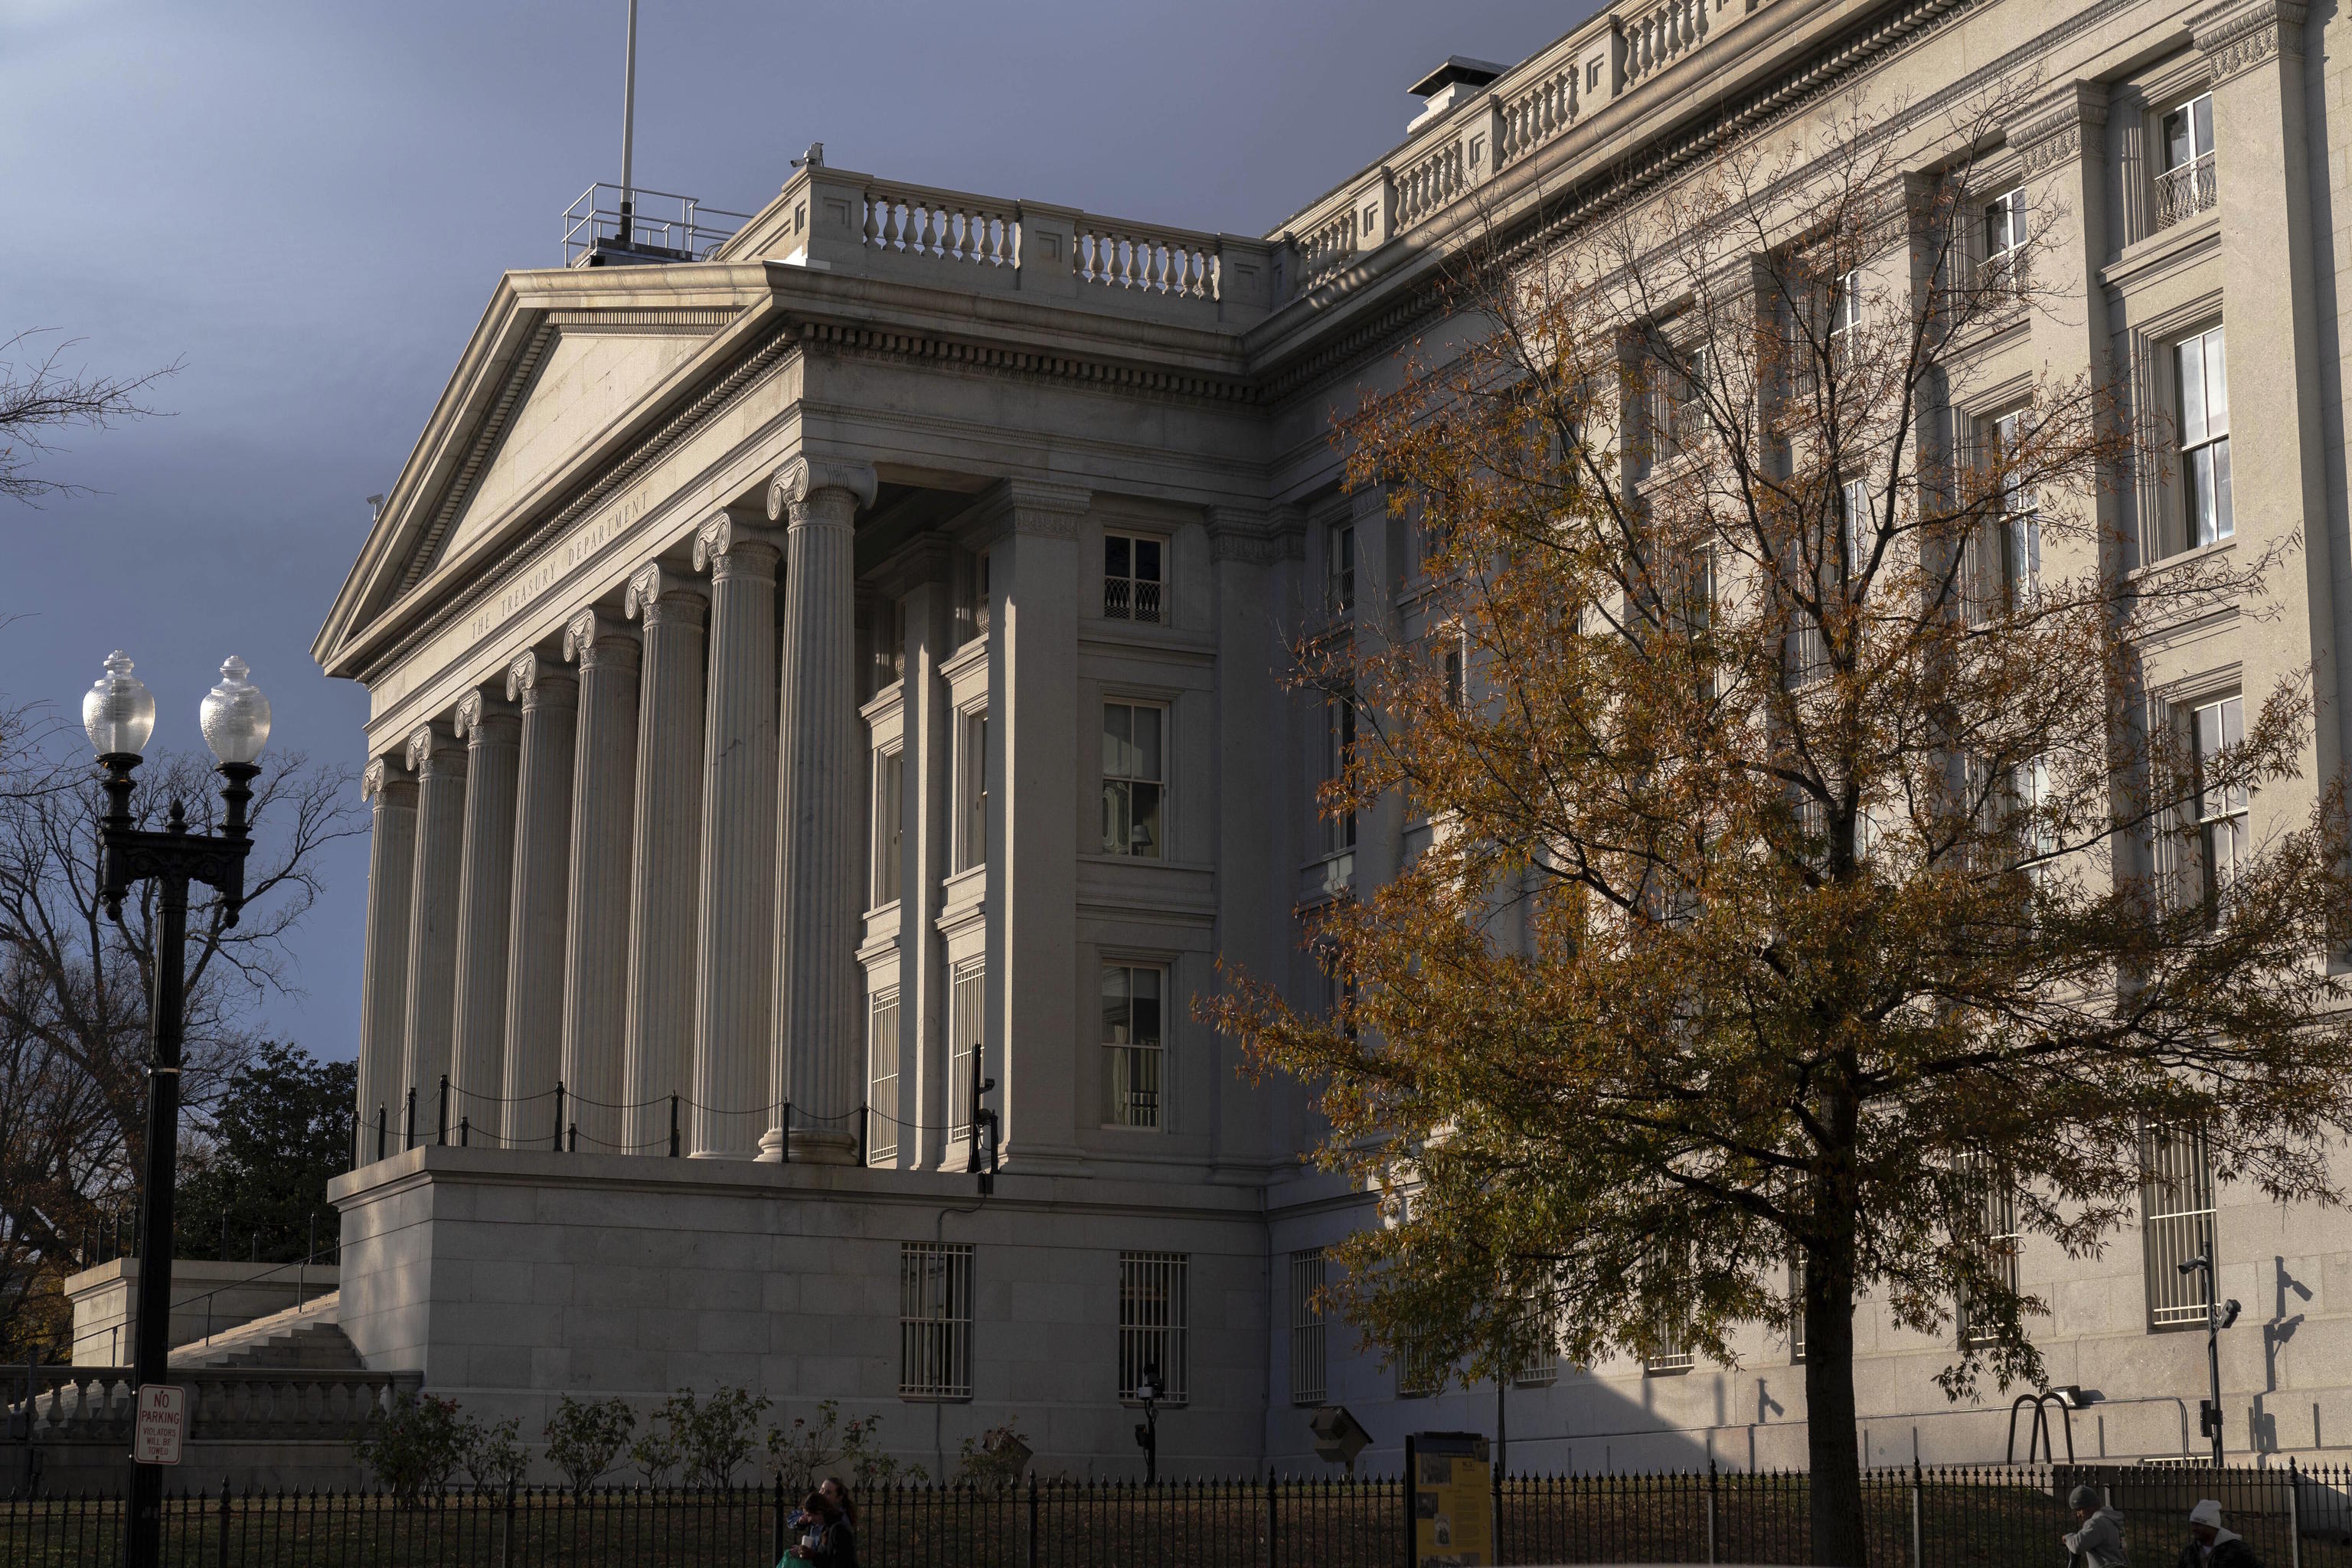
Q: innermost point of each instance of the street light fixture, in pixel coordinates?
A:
(1147, 1431)
(118, 714)
(2208, 1415)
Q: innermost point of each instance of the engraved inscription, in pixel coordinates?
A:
(583, 541)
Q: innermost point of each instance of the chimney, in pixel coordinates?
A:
(1456, 79)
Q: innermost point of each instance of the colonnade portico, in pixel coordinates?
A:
(634, 868)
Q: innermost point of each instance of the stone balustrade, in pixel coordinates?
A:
(1536, 114)
(1159, 260)
(90, 1405)
(1657, 36)
(944, 226)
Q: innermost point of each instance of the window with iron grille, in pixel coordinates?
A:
(967, 1018)
(2188, 186)
(1988, 1221)
(934, 1320)
(1132, 577)
(889, 824)
(1152, 1323)
(1418, 1372)
(1131, 1043)
(1797, 1309)
(1535, 1335)
(2176, 1195)
(1135, 771)
(2214, 730)
(1670, 1349)
(882, 1076)
(2207, 515)
(1340, 569)
(1306, 1368)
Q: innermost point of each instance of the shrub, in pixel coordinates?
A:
(807, 1451)
(995, 1460)
(714, 1435)
(412, 1447)
(492, 1455)
(585, 1436)
(655, 1454)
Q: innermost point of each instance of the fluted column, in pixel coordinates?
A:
(439, 763)
(736, 917)
(817, 1062)
(493, 736)
(664, 834)
(596, 922)
(543, 862)
(391, 793)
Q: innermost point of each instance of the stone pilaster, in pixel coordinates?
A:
(1243, 547)
(927, 732)
(2272, 244)
(438, 762)
(1034, 819)
(542, 861)
(596, 922)
(390, 790)
(818, 1061)
(735, 928)
(487, 724)
(664, 837)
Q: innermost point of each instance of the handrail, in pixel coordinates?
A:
(314, 1256)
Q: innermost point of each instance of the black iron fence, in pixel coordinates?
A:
(1913, 1519)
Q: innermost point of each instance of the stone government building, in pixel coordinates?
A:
(826, 677)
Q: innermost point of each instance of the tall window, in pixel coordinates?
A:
(973, 611)
(2005, 242)
(1306, 1368)
(1341, 569)
(934, 1320)
(2021, 513)
(1151, 1323)
(1131, 1043)
(882, 1076)
(1845, 316)
(2215, 727)
(1134, 773)
(967, 1021)
(2176, 1195)
(1677, 403)
(2205, 438)
(1536, 1331)
(1797, 1309)
(889, 822)
(972, 789)
(1131, 581)
(1858, 529)
(890, 643)
(1990, 1217)
(2032, 796)
(1670, 1349)
(1339, 747)
(1450, 664)
(1419, 1373)
(2187, 186)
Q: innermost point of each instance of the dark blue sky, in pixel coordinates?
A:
(309, 202)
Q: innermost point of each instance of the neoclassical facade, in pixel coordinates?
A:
(828, 721)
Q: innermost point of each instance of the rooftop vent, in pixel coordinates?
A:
(1456, 79)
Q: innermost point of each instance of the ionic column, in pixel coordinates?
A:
(596, 922)
(391, 791)
(543, 862)
(735, 926)
(439, 763)
(817, 1062)
(664, 837)
(487, 723)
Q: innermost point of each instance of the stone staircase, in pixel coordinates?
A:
(307, 1338)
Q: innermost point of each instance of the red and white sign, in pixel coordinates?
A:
(163, 1416)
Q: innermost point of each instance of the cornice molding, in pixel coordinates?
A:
(2062, 123)
(849, 340)
(1037, 506)
(2239, 35)
(1246, 534)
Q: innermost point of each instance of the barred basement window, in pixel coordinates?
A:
(1992, 1219)
(882, 1078)
(1797, 1310)
(1151, 1323)
(2176, 1193)
(1306, 1367)
(934, 1320)
(1131, 572)
(967, 1017)
(1419, 1373)
(1537, 1331)
(1669, 1324)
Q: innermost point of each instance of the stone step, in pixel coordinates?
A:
(305, 1338)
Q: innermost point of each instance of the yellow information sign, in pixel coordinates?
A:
(1453, 1500)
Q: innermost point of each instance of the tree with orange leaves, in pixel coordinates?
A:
(1803, 900)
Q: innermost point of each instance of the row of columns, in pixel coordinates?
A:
(633, 868)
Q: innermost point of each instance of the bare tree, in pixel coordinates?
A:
(38, 397)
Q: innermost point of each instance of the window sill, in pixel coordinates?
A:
(2182, 557)
(905, 1398)
(2153, 251)
(1127, 1127)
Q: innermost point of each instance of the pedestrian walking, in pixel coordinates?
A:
(2213, 1544)
(2099, 1541)
(831, 1543)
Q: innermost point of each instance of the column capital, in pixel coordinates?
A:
(598, 640)
(2239, 35)
(659, 595)
(537, 681)
(483, 715)
(1242, 533)
(1036, 506)
(386, 777)
(791, 485)
(434, 751)
(2062, 123)
(737, 542)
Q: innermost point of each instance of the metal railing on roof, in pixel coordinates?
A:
(662, 226)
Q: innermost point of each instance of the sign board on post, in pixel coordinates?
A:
(1453, 1480)
(163, 1416)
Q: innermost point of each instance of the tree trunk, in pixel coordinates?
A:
(1832, 1451)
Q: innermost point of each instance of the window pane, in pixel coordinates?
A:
(2201, 116)
(2217, 385)
(1144, 833)
(2176, 139)
(1117, 1013)
(1114, 816)
(2224, 521)
(1146, 761)
(1147, 560)
(2193, 390)
(1146, 1014)
(1118, 740)
(1114, 555)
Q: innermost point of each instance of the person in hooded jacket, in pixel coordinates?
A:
(2213, 1545)
(2099, 1543)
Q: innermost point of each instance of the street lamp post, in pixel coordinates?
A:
(1147, 1431)
(2218, 1315)
(119, 712)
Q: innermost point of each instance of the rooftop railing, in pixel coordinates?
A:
(662, 226)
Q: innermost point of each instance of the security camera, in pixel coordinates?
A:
(2194, 1265)
(2228, 1313)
